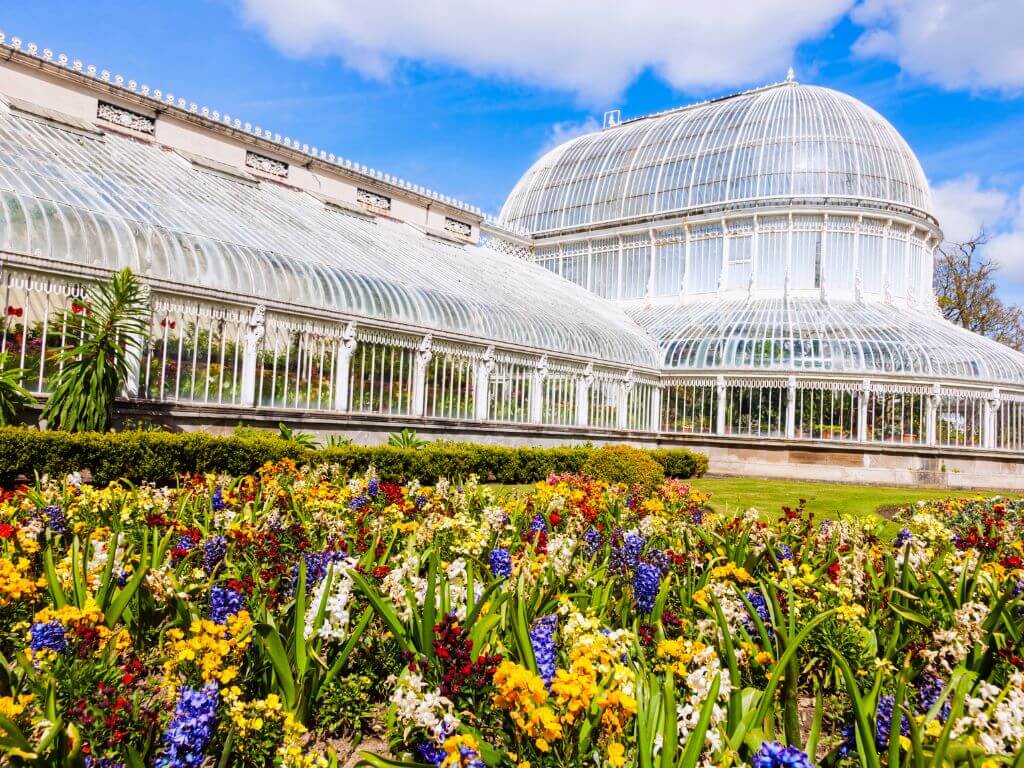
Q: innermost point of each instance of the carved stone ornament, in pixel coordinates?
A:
(373, 200)
(112, 113)
(267, 165)
(257, 323)
(457, 227)
(348, 337)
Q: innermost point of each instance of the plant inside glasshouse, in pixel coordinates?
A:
(293, 616)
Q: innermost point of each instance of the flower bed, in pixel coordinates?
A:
(271, 619)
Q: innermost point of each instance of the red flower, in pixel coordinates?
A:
(7, 531)
(15, 311)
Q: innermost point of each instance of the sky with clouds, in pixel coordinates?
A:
(462, 95)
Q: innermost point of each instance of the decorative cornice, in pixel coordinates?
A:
(159, 100)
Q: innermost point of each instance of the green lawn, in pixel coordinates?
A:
(824, 499)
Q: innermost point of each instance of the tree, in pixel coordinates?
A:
(115, 320)
(967, 293)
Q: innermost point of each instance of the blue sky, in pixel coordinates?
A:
(461, 97)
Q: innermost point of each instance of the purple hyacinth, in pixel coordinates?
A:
(929, 690)
(55, 519)
(190, 729)
(761, 608)
(317, 564)
(420, 501)
(430, 753)
(591, 542)
(373, 488)
(883, 721)
(538, 523)
(783, 552)
(501, 563)
(902, 538)
(773, 754)
(224, 603)
(625, 555)
(542, 639)
(102, 762)
(659, 559)
(214, 550)
(358, 502)
(646, 583)
(217, 500)
(47, 636)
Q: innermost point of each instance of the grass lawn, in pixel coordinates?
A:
(824, 499)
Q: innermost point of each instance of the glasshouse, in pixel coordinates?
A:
(751, 271)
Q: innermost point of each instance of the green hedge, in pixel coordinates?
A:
(158, 457)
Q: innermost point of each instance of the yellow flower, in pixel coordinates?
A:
(15, 582)
(616, 754)
(11, 707)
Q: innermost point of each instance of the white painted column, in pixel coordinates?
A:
(931, 409)
(622, 400)
(540, 373)
(419, 383)
(720, 414)
(863, 401)
(253, 338)
(482, 385)
(583, 387)
(342, 366)
(990, 438)
(791, 408)
(655, 417)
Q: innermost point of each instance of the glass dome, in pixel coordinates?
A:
(787, 142)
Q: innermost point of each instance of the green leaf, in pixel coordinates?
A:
(279, 660)
(121, 600)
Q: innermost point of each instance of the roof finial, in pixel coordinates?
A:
(790, 75)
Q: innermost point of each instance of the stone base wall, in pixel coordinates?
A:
(920, 466)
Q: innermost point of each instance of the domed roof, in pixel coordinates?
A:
(779, 143)
(807, 336)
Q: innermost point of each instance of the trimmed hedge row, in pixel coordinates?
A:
(158, 457)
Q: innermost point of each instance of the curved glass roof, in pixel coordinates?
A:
(112, 202)
(781, 142)
(805, 335)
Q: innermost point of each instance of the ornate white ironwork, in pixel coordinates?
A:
(266, 164)
(126, 118)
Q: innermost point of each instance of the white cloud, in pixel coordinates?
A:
(594, 48)
(957, 44)
(964, 208)
(1007, 246)
(566, 130)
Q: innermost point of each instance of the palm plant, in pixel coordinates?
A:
(12, 395)
(407, 438)
(114, 327)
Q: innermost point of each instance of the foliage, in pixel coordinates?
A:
(160, 456)
(344, 707)
(407, 438)
(966, 291)
(303, 439)
(234, 622)
(13, 396)
(624, 464)
(114, 323)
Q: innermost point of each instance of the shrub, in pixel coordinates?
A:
(160, 456)
(623, 464)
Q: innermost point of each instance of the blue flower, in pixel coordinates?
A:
(929, 689)
(501, 563)
(214, 550)
(542, 639)
(626, 554)
(538, 523)
(761, 608)
(772, 754)
(56, 520)
(102, 762)
(420, 501)
(190, 728)
(372, 487)
(784, 552)
(317, 564)
(902, 538)
(591, 542)
(217, 501)
(430, 753)
(224, 603)
(883, 721)
(47, 636)
(358, 502)
(646, 583)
